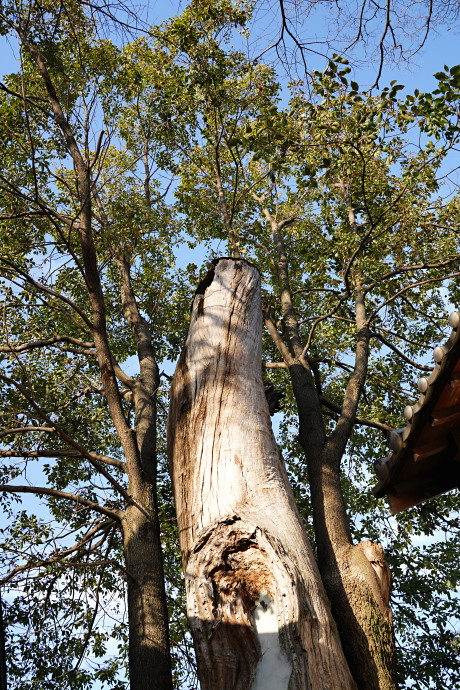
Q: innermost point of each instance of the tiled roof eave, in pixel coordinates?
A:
(429, 437)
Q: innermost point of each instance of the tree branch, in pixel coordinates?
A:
(14, 268)
(65, 436)
(336, 444)
(358, 420)
(409, 287)
(25, 429)
(96, 608)
(322, 318)
(415, 267)
(92, 279)
(144, 390)
(89, 536)
(277, 339)
(60, 453)
(49, 341)
(399, 352)
(41, 490)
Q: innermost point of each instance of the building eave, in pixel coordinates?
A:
(425, 461)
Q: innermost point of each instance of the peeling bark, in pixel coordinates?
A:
(252, 582)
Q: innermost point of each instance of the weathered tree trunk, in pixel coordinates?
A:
(256, 605)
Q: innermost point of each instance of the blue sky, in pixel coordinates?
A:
(442, 47)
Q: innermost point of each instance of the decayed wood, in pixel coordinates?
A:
(256, 604)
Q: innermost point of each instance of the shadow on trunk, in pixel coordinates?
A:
(245, 552)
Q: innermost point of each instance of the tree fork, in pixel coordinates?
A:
(356, 577)
(256, 605)
(149, 653)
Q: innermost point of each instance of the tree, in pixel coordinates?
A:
(309, 205)
(239, 170)
(256, 605)
(365, 32)
(69, 264)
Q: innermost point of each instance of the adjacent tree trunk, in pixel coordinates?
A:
(149, 655)
(356, 577)
(357, 580)
(149, 659)
(256, 605)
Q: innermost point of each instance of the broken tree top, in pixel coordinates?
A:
(426, 454)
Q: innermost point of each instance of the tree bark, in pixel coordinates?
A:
(356, 577)
(256, 605)
(357, 581)
(149, 654)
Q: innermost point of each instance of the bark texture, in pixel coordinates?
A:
(149, 655)
(360, 598)
(149, 652)
(357, 581)
(256, 605)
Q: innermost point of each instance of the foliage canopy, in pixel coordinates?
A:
(190, 144)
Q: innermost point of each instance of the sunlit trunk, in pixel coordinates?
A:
(256, 605)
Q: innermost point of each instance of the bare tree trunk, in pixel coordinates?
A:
(257, 608)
